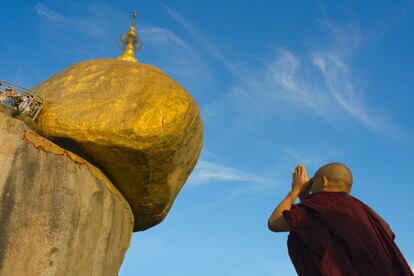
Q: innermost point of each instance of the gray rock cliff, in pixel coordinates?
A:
(59, 215)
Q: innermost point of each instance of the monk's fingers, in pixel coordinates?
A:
(304, 170)
(300, 171)
(295, 177)
(304, 173)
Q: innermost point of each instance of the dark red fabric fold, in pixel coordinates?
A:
(334, 233)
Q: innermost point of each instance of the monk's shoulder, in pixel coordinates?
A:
(300, 215)
(321, 198)
(328, 200)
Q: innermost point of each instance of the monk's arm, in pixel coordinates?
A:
(303, 195)
(277, 222)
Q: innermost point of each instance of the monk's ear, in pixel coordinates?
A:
(324, 182)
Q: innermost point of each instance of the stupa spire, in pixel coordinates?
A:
(130, 39)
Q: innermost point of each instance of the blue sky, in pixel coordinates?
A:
(277, 82)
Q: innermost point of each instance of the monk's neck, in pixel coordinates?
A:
(331, 189)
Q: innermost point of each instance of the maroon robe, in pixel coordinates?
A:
(334, 233)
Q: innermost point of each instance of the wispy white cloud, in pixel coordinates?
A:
(162, 36)
(48, 14)
(202, 42)
(175, 55)
(284, 83)
(328, 91)
(98, 22)
(235, 193)
(91, 32)
(314, 159)
(207, 172)
(321, 80)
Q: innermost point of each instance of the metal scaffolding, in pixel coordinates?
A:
(22, 100)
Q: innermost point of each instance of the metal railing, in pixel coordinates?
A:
(22, 100)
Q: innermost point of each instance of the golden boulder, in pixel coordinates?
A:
(139, 126)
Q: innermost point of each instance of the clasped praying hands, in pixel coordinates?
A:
(300, 181)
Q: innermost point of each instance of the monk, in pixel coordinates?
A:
(333, 233)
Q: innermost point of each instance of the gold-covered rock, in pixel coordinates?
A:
(139, 126)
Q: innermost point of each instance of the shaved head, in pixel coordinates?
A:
(338, 175)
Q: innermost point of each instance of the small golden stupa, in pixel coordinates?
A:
(134, 122)
(131, 39)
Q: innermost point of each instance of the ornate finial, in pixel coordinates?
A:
(130, 40)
